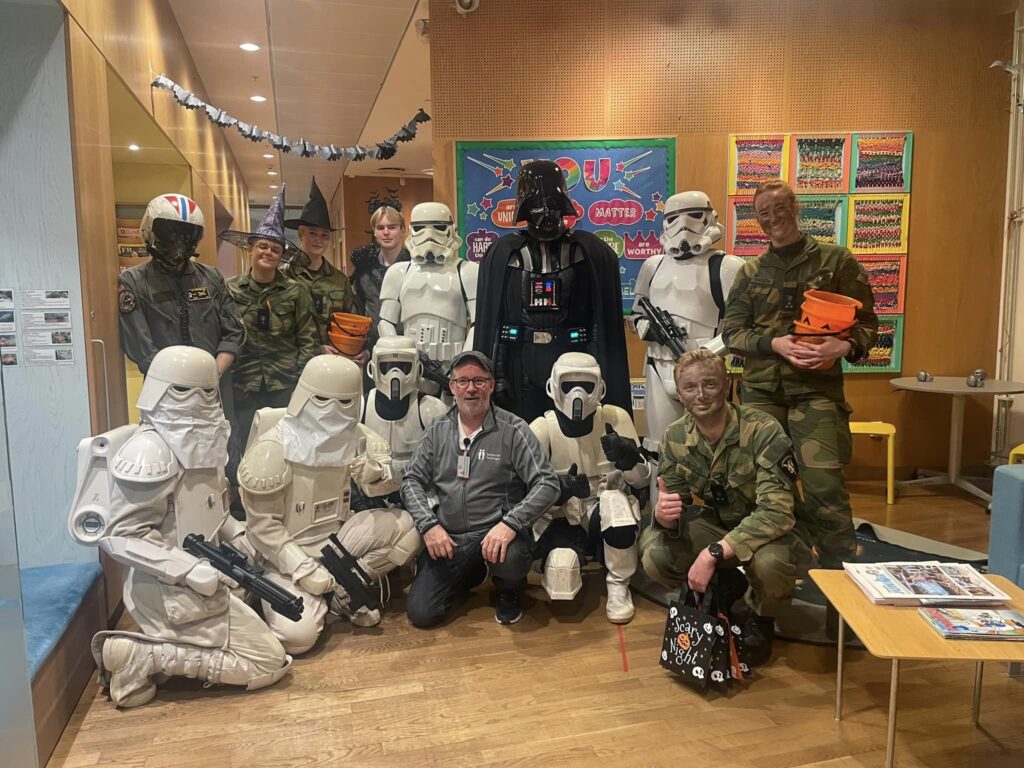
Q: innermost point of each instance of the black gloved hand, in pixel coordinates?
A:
(623, 451)
(573, 484)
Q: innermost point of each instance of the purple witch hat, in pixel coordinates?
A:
(271, 227)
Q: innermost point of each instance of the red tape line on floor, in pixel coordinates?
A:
(622, 649)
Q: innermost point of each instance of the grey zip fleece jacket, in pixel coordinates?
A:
(510, 477)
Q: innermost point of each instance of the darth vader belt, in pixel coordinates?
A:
(521, 333)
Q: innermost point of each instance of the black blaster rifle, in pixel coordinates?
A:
(234, 565)
(433, 371)
(665, 328)
(346, 571)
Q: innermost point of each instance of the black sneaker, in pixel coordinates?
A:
(758, 634)
(508, 610)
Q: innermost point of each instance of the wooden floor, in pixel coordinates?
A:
(565, 688)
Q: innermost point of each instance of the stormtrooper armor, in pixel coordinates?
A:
(140, 491)
(395, 408)
(171, 228)
(295, 486)
(433, 296)
(598, 515)
(690, 281)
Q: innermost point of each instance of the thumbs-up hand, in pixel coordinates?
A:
(573, 484)
(669, 507)
(622, 451)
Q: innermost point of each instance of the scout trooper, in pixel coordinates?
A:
(595, 451)
(432, 297)
(395, 408)
(295, 487)
(141, 490)
(690, 281)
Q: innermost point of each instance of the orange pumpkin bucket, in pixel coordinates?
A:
(828, 313)
(347, 332)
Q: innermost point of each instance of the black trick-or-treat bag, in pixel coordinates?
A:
(699, 644)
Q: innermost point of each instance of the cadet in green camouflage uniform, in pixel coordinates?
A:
(328, 286)
(281, 329)
(801, 385)
(739, 463)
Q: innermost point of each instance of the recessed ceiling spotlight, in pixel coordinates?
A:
(271, 173)
(268, 156)
(250, 47)
(134, 147)
(258, 99)
(273, 186)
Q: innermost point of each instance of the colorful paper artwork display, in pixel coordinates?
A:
(878, 223)
(619, 189)
(887, 354)
(854, 191)
(755, 159)
(888, 278)
(820, 164)
(881, 162)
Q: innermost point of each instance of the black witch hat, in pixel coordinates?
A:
(314, 212)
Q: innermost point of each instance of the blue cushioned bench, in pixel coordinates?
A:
(65, 605)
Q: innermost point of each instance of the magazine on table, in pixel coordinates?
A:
(976, 623)
(924, 583)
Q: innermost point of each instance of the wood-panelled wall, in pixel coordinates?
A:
(703, 69)
(352, 195)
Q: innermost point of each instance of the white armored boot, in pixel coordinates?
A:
(621, 565)
(361, 617)
(131, 668)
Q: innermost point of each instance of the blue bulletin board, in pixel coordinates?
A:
(619, 189)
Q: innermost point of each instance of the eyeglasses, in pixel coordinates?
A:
(478, 382)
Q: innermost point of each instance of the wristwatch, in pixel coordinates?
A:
(716, 551)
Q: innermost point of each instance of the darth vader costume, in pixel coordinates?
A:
(545, 291)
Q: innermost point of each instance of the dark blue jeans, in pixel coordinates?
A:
(439, 583)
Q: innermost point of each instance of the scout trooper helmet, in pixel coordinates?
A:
(691, 225)
(180, 373)
(171, 228)
(542, 199)
(395, 367)
(432, 238)
(576, 386)
(326, 380)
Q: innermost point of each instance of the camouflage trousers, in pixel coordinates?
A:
(666, 557)
(820, 431)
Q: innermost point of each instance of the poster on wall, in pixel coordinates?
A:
(618, 187)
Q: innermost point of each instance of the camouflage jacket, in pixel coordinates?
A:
(747, 481)
(765, 300)
(281, 332)
(330, 290)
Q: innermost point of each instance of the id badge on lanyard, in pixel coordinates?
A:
(462, 467)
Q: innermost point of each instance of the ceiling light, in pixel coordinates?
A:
(134, 147)
(268, 156)
(271, 173)
(250, 47)
(273, 186)
(258, 99)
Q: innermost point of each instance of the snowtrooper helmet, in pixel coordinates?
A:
(171, 228)
(691, 225)
(180, 372)
(432, 238)
(576, 386)
(328, 378)
(395, 367)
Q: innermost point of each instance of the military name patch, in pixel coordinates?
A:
(788, 465)
(198, 294)
(125, 299)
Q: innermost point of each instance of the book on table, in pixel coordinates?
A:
(924, 583)
(975, 623)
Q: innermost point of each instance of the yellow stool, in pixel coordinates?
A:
(882, 429)
(1017, 455)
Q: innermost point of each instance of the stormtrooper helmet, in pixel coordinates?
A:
(432, 238)
(576, 386)
(395, 367)
(325, 381)
(691, 225)
(542, 199)
(181, 373)
(171, 228)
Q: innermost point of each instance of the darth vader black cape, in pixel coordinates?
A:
(610, 346)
